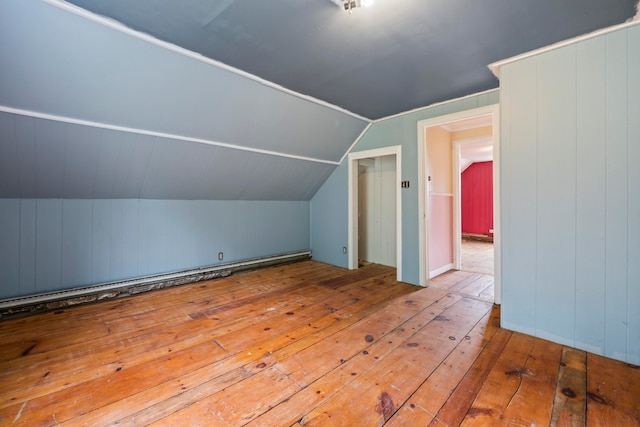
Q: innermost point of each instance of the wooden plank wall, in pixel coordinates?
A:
(52, 244)
(591, 190)
(570, 194)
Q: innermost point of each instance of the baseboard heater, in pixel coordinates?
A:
(87, 294)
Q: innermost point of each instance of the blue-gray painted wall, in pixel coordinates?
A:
(329, 206)
(53, 244)
(85, 203)
(329, 231)
(75, 205)
(52, 61)
(42, 158)
(570, 156)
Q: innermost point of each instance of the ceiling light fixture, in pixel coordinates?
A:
(349, 5)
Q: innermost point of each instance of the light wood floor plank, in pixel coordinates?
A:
(349, 370)
(389, 383)
(262, 355)
(570, 403)
(300, 345)
(613, 392)
(450, 383)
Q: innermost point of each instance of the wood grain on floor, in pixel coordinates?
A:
(304, 344)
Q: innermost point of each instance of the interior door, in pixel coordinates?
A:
(377, 210)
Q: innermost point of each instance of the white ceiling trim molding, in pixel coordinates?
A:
(355, 142)
(495, 67)
(475, 123)
(107, 22)
(70, 120)
(471, 95)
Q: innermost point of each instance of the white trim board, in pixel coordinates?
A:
(448, 101)
(440, 270)
(158, 134)
(422, 125)
(396, 151)
(456, 147)
(495, 66)
(107, 22)
(364, 131)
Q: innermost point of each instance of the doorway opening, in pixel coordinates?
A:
(447, 146)
(473, 183)
(376, 211)
(375, 208)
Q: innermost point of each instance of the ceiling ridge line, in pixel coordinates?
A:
(117, 26)
(99, 125)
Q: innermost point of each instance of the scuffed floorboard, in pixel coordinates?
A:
(302, 344)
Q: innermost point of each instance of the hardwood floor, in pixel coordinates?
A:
(301, 345)
(476, 256)
(469, 284)
(475, 278)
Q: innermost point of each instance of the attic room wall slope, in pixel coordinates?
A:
(56, 62)
(42, 158)
(52, 244)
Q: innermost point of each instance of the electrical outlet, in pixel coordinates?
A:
(344, 249)
(220, 256)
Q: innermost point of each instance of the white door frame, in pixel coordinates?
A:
(423, 250)
(457, 193)
(396, 151)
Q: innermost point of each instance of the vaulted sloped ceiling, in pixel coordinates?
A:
(41, 158)
(391, 57)
(139, 100)
(91, 112)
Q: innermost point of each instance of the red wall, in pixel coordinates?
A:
(477, 198)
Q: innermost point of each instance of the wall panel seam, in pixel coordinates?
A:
(70, 120)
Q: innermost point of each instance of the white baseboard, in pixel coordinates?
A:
(439, 271)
